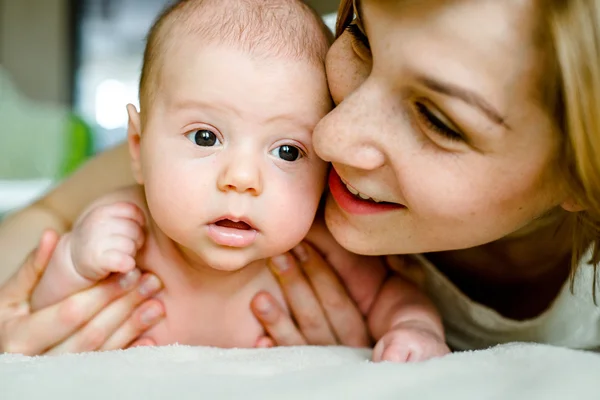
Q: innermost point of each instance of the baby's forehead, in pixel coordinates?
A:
(281, 29)
(222, 83)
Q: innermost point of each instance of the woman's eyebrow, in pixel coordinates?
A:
(465, 95)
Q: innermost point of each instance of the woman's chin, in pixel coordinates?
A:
(350, 236)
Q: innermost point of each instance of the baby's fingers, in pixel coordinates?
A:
(117, 261)
(130, 230)
(126, 211)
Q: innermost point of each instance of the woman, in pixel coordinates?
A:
(471, 128)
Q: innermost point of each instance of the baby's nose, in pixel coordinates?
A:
(241, 175)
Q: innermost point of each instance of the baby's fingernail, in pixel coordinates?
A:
(300, 252)
(128, 280)
(149, 285)
(281, 263)
(151, 315)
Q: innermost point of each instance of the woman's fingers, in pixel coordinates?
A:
(142, 319)
(100, 329)
(323, 310)
(343, 315)
(19, 287)
(276, 321)
(143, 342)
(264, 342)
(302, 300)
(29, 334)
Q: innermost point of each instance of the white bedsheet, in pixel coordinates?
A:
(516, 371)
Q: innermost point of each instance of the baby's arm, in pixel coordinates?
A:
(405, 324)
(104, 240)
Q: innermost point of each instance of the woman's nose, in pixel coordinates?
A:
(349, 134)
(241, 173)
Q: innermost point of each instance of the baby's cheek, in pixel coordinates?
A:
(290, 220)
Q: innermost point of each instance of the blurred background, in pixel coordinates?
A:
(67, 70)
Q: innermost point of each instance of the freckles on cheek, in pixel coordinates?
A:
(446, 198)
(345, 71)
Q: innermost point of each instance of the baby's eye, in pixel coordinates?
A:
(204, 138)
(287, 153)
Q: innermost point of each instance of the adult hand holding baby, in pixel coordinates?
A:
(323, 311)
(104, 317)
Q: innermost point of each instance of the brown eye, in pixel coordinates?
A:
(287, 153)
(204, 138)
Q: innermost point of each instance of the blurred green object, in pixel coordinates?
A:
(79, 146)
(38, 140)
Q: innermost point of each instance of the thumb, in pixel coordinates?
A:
(21, 284)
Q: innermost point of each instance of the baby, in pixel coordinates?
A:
(222, 152)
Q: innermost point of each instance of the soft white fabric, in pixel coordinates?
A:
(573, 320)
(517, 371)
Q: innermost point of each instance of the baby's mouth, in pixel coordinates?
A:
(227, 223)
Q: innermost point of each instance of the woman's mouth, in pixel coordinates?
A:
(355, 202)
(231, 232)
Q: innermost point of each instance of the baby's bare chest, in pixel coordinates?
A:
(201, 312)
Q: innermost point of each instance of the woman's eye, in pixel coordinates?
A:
(287, 153)
(434, 121)
(204, 138)
(358, 35)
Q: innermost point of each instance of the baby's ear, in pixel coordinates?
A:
(134, 137)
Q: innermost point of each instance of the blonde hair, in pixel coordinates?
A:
(572, 28)
(575, 31)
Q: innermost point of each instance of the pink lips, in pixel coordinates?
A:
(232, 232)
(354, 204)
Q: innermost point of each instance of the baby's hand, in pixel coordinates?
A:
(107, 240)
(409, 344)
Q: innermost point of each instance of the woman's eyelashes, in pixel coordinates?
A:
(434, 121)
(358, 35)
(203, 138)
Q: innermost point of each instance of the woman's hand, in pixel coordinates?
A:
(324, 312)
(110, 315)
(322, 308)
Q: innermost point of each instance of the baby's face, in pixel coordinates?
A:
(227, 158)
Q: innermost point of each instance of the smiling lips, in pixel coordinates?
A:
(356, 203)
(232, 233)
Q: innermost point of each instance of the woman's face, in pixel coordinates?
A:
(441, 118)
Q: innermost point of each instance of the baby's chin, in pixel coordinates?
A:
(230, 259)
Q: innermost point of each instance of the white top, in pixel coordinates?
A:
(571, 321)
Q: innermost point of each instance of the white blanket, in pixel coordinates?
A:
(516, 371)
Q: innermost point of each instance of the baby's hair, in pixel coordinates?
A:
(286, 29)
